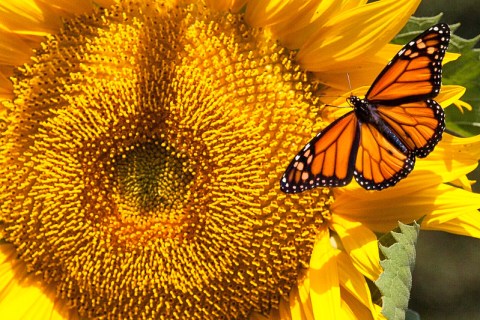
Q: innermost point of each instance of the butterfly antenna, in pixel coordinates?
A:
(349, 83)
(338, 107)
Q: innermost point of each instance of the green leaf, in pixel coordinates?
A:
(398, 249)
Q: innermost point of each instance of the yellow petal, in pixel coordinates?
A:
(380, 211)
(355, 34)
(324, 283)
(449, 94)
(28, 17)
(298, 307)
(354, 308)
(379, 315)
(13, 49)
(350, 4)
(360, 243)
(463, 182)
(452, 159)
(69, 7)
(353, 281)
(304, 297)
(363, 73)
(301, 23)
(462, 104)
(263, 13)
(456, 212)
(6, 89)
(449, 56)
(465, 223)
(23, 296)
(24, 24)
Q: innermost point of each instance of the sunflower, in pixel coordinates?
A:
(142, 147)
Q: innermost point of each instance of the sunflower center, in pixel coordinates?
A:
(151, 178)
(142, 163)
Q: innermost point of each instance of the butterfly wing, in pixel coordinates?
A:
(415, 73)
(419, 125)
(327, 160)
(379, 163)
(402, 96)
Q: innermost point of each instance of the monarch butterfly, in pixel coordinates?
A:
(378, 140)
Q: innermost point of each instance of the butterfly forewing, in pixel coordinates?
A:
(415, 73)
(327, 160)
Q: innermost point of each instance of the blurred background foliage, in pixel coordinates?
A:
(446, 280)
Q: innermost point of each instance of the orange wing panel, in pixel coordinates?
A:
(379, 164)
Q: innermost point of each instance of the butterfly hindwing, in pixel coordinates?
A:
(379, 163)
(415, 73)
(419, 125)
(327, 160)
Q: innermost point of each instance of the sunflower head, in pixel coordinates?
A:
(141, 164)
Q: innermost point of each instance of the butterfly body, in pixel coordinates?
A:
(377, 142)
(366, 113)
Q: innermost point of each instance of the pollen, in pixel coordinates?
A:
(141, 161)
